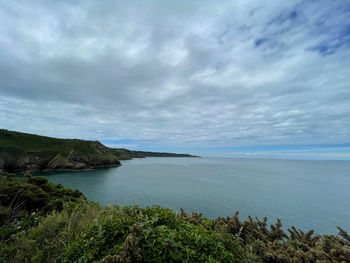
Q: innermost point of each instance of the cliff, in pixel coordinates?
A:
(28, 152)
(125, 154)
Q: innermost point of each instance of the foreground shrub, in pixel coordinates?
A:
(21, 197)
(149, 235)
(24, 202)
(86, 232)
(263, 243)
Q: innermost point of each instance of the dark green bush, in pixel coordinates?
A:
(32, 194)
(148, 235)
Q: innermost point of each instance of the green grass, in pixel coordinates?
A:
(35, 143)
(29, 152)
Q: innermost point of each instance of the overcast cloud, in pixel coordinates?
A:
(177, 73)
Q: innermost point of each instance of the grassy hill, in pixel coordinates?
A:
(22, 151)
(30, 152)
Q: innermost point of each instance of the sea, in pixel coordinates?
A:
(302, 193)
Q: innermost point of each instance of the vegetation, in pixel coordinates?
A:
(124, 154)
(22, 201)
(35, 143)
(28, 152)
(44, 222)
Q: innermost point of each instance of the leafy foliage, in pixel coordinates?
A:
(262, 243)
(31, 194)
(24, 201)
(151, 234)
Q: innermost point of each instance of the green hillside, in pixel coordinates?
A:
(30, 152)
(22, 151)
(125, 154)
(35, 143)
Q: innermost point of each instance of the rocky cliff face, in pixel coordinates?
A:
(124, 154)
(75, 161)
(101, 157)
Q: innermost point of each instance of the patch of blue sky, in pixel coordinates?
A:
(288, 15)
(119, 141)
(334, 26)
(306, 152)
(331, 24)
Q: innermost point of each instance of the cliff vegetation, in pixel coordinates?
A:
(28, 152)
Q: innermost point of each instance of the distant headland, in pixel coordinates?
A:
(29, 152)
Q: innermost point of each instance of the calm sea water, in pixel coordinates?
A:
(306, 194)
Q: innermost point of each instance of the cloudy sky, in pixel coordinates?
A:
(226, 78)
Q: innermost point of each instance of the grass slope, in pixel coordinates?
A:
(36, 143)
(22, 151)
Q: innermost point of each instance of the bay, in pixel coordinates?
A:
(306, 194)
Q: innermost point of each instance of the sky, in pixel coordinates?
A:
(215, 78)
